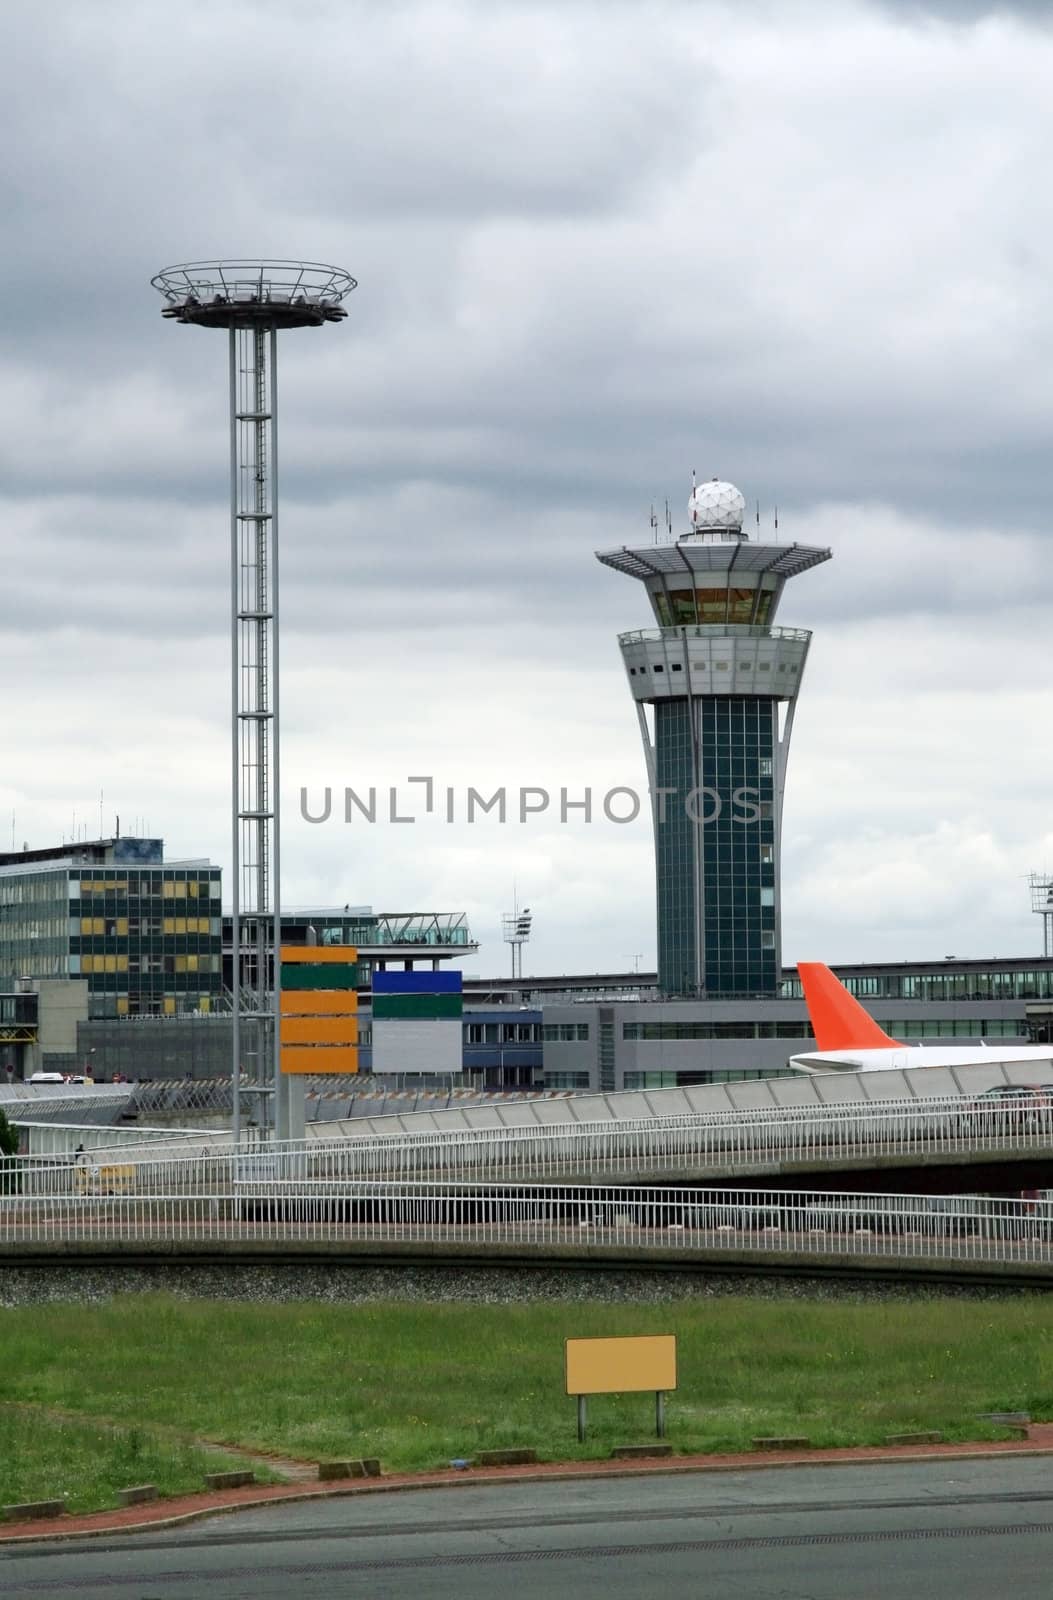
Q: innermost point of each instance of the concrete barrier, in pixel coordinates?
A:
(137, 1495)
(914, 1438)
(630, 1452)
(328, 1470)
(31, 1509)
(506, 1458)
(228, 1480)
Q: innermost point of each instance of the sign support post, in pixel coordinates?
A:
(620, 1366)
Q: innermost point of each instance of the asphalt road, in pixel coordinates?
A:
(960, 1530)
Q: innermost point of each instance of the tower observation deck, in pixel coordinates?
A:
(715, 686)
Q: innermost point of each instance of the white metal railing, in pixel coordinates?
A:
(803, 1224)
(713, 630)
(689, 1144)
(63, 1140)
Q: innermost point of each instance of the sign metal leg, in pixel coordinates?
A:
(581, 1419)
(659, 1413)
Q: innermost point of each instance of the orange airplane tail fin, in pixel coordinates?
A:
(838, 1021)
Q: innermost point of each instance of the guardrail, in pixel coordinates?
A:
(60, 1140)
(215, 1095)
(805, 1224)
(713, 630)
(689, 1144)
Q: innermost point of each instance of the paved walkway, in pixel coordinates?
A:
(187, 1508)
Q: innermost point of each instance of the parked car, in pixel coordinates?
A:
(1009, 1108)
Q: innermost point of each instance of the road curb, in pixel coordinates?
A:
(211, 1506)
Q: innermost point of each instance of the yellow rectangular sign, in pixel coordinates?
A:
(620, 1366)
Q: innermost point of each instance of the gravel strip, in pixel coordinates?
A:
(89, 1285)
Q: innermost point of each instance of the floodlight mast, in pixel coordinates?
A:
(253, 300)
(1042, 903)
(515, 930)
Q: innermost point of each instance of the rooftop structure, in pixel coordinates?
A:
(103, 852)
(398, 938)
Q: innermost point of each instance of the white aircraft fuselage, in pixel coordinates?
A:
(899, 1058)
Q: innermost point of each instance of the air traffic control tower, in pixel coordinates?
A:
(715, 686)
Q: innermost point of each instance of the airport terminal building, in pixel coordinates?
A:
(617, 1033)
(112, 959)
(586, 1033)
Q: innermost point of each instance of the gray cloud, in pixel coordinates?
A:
(803, 246)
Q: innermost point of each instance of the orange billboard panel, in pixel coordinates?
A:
(318, 955)
(620, 1366)
(319, 1002)
(312, 1058)
(319, 1030)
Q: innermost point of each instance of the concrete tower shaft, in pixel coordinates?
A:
(715, 686)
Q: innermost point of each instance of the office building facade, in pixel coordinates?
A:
(145, 934)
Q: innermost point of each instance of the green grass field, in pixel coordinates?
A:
(85, 1463)
(418, 1385)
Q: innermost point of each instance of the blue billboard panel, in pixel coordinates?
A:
(417, 982)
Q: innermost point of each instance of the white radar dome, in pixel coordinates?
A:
(716, 505)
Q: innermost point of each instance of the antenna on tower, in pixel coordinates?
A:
(668, 519)
(776, 519)
(694, 487)
(654, 523)
(758, 513)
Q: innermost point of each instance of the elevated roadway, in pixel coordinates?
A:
(960, 1143)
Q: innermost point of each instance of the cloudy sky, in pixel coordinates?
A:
(804, 245)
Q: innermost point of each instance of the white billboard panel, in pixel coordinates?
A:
(417, 1045)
